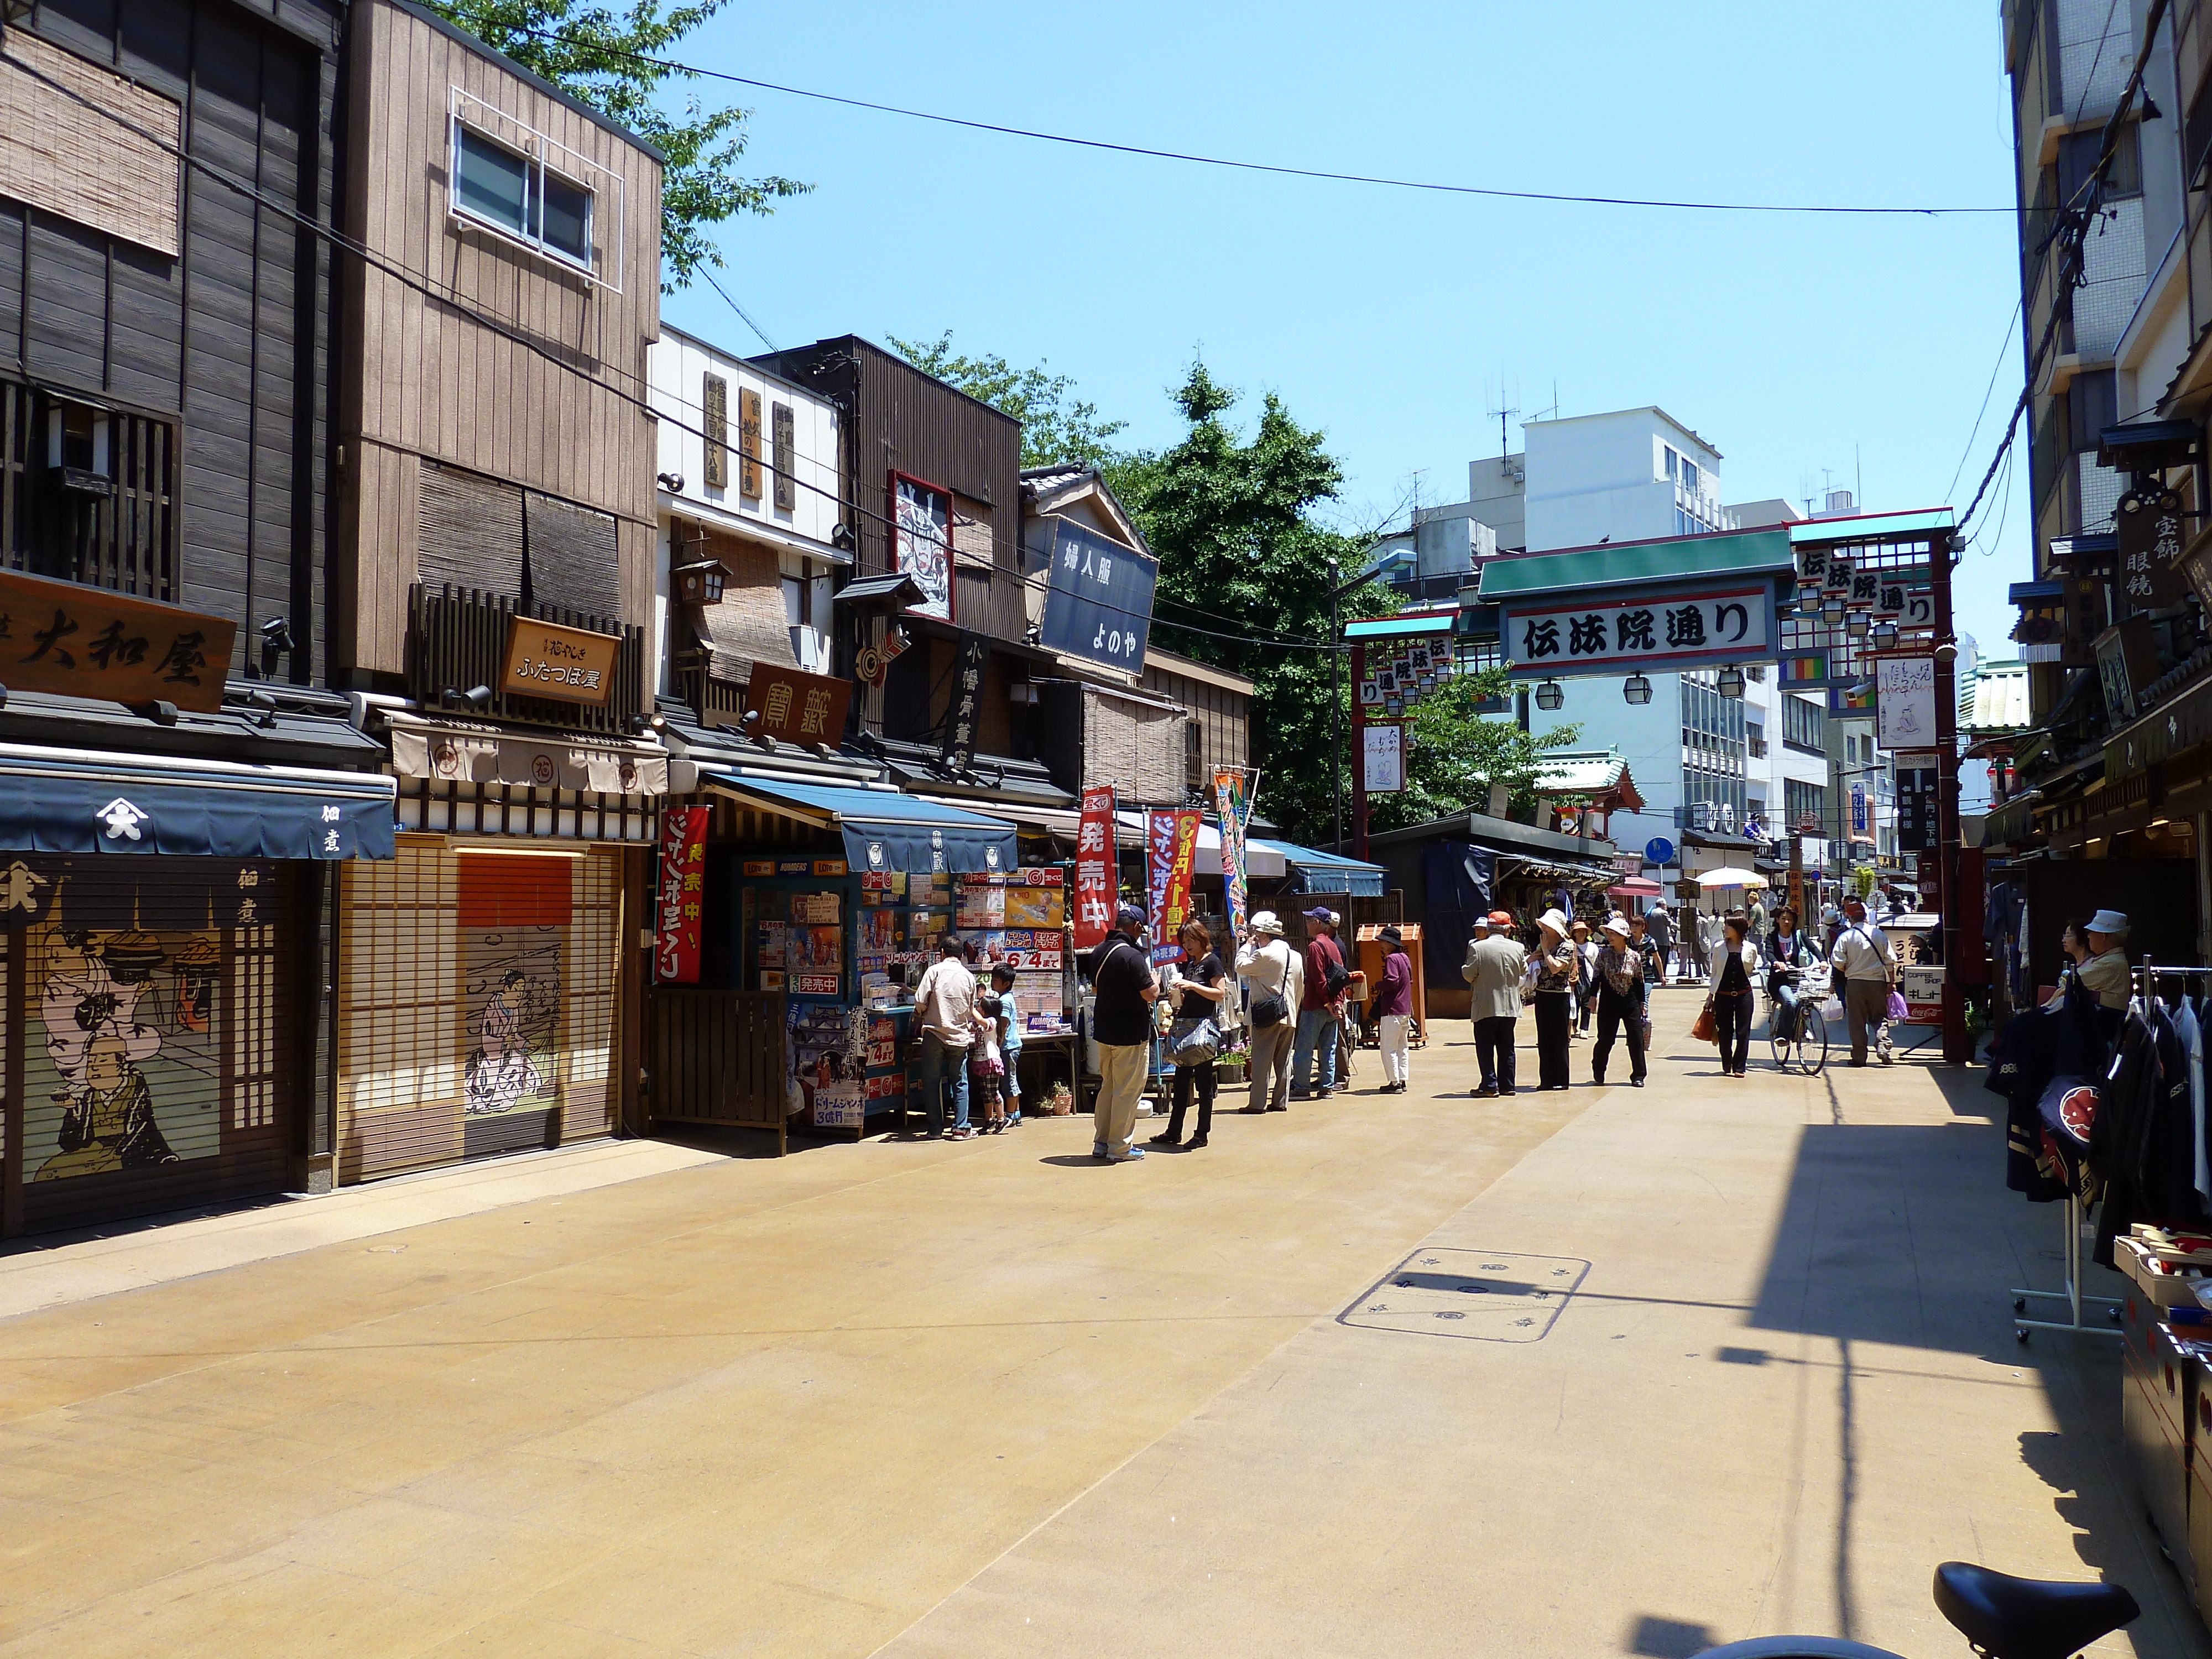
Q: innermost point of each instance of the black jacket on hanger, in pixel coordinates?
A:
(2144, 1140)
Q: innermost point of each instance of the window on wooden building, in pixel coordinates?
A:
(1194, 755)
(86, 494)
(529, 188)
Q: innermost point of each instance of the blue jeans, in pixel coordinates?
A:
(1787, 995)
(937, 1059)
(1316, 1041)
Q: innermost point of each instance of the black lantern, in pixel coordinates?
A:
(1731, 682)
(1637, 689)
(1885, 636)
(701, 583)
(1550, 694)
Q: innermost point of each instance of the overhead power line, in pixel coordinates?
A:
(1281, 169)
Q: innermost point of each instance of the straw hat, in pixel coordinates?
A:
(1553, 920)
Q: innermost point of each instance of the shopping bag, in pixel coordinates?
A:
(1707, 1030)
(1195, 1041)
(1895, 1008)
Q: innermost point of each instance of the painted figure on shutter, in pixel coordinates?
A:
(109, 1126)
(502, 1073)
(515, 1023)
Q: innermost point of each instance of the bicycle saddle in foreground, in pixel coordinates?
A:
(2028, 1619)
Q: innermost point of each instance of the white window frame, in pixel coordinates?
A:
(609, 199)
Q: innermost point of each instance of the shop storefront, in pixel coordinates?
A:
(157, 959)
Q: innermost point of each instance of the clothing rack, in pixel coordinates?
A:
(2143, 976)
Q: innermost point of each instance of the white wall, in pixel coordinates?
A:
(677, 366)
(1599, 477)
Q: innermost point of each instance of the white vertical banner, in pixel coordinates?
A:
(1383, 758)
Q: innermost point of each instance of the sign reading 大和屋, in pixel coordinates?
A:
(89, 642)
(1098, 599)
(1687, 627)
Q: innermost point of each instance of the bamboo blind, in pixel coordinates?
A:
(75, 162)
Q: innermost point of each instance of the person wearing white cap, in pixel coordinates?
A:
(1557, 968)
(1863, 961)
(1621, 995)
(1273, 983)
(2103, 974)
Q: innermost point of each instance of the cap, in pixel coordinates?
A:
(1129, 916)
(1320, 914)
(1501, 918)
(1481, 924)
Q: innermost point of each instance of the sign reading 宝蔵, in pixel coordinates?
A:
(796, 707)
(569, 665)
(1662, 629)
(88, 642)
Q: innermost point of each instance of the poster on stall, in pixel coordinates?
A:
(981, 908)
(1233, 810)
(1171, 846)
(826, 1074)
(1036, 907)
(683, 884)
(1094, 868)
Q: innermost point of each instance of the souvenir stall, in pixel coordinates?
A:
(829, 899)
(1021, 919)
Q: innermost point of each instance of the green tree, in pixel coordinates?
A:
(1058, 428)
(616, 59)
(1458, 753)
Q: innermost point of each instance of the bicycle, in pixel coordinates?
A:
(2000, 1617)
(1806, 1049)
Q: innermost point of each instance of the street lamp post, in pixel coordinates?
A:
(1336, 710)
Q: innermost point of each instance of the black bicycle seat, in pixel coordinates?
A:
(2026, 1618)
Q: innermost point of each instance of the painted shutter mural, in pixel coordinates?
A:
(714, 422)
(478, 1007)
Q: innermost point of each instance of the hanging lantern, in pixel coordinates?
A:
(700, 583)
(1550, 694)
(1637, 689)
(1731, 682)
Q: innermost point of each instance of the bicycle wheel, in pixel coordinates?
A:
(1781, 1044)
(1812, 1041)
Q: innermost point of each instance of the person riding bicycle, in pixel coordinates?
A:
(1789, 950)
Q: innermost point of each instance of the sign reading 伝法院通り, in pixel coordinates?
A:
(1098, 599)
(1662, 629)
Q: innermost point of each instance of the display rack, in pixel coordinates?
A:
(2142, 976)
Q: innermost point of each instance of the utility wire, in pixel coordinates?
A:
(674, 67)
(739, 309)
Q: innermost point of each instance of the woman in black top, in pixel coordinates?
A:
(1732, 999)
(1199, 991)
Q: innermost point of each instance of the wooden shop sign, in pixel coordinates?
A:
(569, 665)
(88, 642)
(796, 707)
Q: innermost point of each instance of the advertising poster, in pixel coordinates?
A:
(1094, 868)
(826, 1075)
(682, 883)
(921, 541)
(1170, 847)
(1233, 809)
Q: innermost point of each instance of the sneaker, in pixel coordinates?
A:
(1320, 1094)
(1098, 1149)
(960, 1134)
(1129, 1156)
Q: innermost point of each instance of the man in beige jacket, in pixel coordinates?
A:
(1495, 963)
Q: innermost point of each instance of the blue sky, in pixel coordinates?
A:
(1808, 348)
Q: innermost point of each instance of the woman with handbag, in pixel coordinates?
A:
(1558, 967)
(1194, 1039)
(1274, 982)
(1735, 970)
(1622, 999)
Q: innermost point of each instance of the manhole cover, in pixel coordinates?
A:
(1487, 1296)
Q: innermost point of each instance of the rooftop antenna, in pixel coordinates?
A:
(1554, 409)
(1501, 412)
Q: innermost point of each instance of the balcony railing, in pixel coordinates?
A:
(716, 702)
(88, 494)
(456, 641)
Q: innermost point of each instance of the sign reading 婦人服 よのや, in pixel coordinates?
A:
(1098, 599)
(1657, 628)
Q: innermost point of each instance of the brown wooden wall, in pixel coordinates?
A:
(418, 377)
(1224, 716)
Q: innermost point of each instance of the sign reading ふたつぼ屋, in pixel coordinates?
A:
(569, 665)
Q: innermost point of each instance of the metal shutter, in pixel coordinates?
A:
(573, 561)
(588, 1102)
(399, 1014)
(471, 532)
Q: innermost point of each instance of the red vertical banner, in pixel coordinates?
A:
(1171, 846)
(1094, 868)
(681, 901)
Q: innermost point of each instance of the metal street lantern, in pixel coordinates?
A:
(1637, 689)
(1858, 623)
(1885, 636)
(1833, 609)
(1731, 682)
(700, 583)
(1550, 694)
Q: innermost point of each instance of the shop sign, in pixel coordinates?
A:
(963, 714)
(88, 642)
(1904, 701)
(1098, 599)
(568, 665)
(2150, 554)
(814, 984)
(1916, 809)
(1383, 754)
(2127, 662)
(797, 706)
(921, 541)
(1660, 629)
(682, 894)
(1171, 846)
(1861, 814)
(1922, 987)
(1094, 868)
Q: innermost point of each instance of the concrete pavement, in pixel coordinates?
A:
(994, 1397)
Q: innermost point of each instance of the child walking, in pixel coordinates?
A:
(1010, 1039)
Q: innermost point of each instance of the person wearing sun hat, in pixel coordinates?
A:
(1495, 963)
(1621, 996)
(1557, 968)
(1269, 968)
(2104, 975)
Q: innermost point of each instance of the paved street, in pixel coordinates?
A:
(992, 1398)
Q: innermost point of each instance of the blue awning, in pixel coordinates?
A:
(883, 829)
(1327, 873)
(54, 800)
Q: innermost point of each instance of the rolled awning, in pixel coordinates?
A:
(457, 752)
(54, 800)
(883, 829)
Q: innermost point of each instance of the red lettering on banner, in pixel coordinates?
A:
(676, 942)
(1094, 868)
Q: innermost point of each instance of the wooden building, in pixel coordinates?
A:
(175, 777)
(492, 576)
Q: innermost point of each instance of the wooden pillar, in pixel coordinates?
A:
(1958, 1047)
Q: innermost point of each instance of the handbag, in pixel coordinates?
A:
(1708, 1028)
(1269, 1008)
(1194, 1041)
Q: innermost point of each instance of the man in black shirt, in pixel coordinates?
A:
(1121, 1024)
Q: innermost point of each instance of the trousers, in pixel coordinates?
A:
(1555, 1013)
(1395, 1032)
(1866, 1008)
(942, 1063)
(1187, 1079)
(1618, 1014)
(1732, 1017)
(1122, 1070)
(1271, 1065)
(1313, 1057)
(1493, 1052)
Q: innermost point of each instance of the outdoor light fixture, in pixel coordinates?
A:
(1834, 608)
(1947, 652)
(477, 697)
(701, 582)
(1885, 636)
(1856, 624)
(1731, 681)
(1550, 694)
(670, 482)
(1637, 689)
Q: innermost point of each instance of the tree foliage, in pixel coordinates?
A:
(1458, 753)
(1058, 428)
(615, 57)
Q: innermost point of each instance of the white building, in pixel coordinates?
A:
(748, 478)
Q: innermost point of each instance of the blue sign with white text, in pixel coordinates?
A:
(1098, 599)
(1659, 850)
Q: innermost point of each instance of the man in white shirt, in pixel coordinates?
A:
(944, 1013)
(1862, 961)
